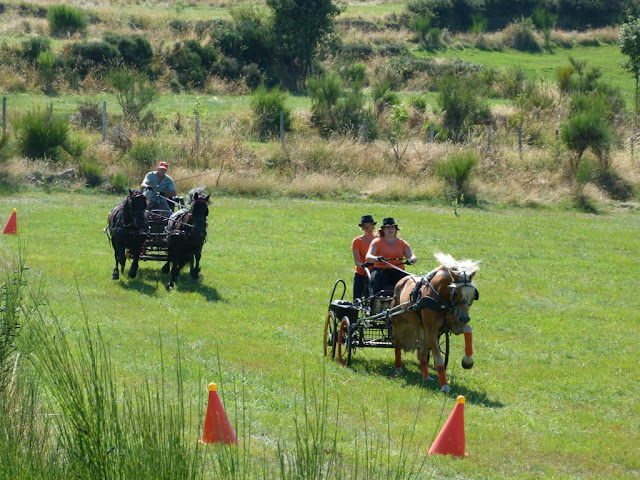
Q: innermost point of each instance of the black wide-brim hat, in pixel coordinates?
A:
(389, 222)
(366, 219)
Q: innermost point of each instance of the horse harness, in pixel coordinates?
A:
(438, 304)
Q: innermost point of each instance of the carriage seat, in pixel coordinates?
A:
(344, 308)
(381, 300)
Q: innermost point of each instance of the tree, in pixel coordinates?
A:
(629, 43)
(299, 28)
(132, 93)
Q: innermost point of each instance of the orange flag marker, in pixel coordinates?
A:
(12, 224)
(450, 441)
(217, 427)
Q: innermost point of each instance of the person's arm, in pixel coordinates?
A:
(371, 254)
(409, 254)
(146, 182)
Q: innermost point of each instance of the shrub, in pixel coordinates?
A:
(192, 62)
(253, 77)
(456, 169)
(521, 36)
(46, 61)
(119, 182)
(32, 47)
(135, 50)
(145, 152)
(89, 114)
(266, 105)
(66, 20)
(41, 134)
(92, 172)
(132, 93)
(87, 56)
(462, 107)
(586, 129)
(611, 182)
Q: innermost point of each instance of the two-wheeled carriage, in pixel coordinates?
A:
(365, 323)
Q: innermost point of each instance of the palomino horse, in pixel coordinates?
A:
(439, 302)
(186, 234)
(126, 229)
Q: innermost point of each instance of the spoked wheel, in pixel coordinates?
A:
(344, 343)
(443, 344)
(330, 336)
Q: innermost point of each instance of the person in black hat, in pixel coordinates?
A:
(360, 247)
(393, 250)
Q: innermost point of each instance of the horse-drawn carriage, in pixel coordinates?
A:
(419, 313)
(139, 231)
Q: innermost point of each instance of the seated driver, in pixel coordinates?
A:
(159, 186)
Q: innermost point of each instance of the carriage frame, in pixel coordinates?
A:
(365, 323)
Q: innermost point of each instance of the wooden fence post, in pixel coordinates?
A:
(520, 142)
(489, 139)
(104, 120)
(197, 133)
(432, 132)
(4, 116)
(282, 128)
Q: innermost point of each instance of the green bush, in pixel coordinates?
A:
(462, 106)
(41, 134)
(92, 172)
(66, 20)
(132, 93)
(266, 105)
(456, 169)
(33, 46)
(521, 36)
(192, 62)
(145, 152)
(119, 182)
(135, 50)
(87, 56)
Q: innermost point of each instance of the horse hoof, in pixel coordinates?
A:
(133, 274)
(193, 279)
(428, 379)
(445, 389)
(170, 287)
(467, 362)
(398, 371)
(115, 276)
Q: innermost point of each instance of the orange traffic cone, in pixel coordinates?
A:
(217, 428)
(12, 224)
(450, 441)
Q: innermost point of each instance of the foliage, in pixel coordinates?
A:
(46, 61)
(91, 171)
(456, 170)
(66, 20)
(119, 182)
(145, 152)
(334, 110)
(266, 105)
(135, 50)
(461, 106)
(429, 36)
(194, 63)
(629, 43)
(41, 134)
(521, 36)
(33, 46)
(93, 56)
(132, 93)
(299, 27)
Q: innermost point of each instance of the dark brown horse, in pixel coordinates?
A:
(127, 230)
(186, 234)
(438, 303)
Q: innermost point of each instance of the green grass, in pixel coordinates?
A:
(544, 65)
(554, 386)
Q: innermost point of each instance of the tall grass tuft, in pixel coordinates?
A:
(456, 169)
(266, 105)
(66, 20)
(41, 134)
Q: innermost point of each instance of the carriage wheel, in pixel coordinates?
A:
(443, 343)
(330, 336)
(344, 343)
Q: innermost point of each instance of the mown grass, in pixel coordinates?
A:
(553, 390)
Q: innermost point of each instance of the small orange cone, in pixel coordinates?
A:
(450, 441)
(217, 428)
(12, 224)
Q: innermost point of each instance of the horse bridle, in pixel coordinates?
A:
(128, 208)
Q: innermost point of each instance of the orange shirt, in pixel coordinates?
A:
(383, 249)
(361, 244)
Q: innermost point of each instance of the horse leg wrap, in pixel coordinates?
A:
(398, 362)
(468, 346)
(442, 376)
(424, 369)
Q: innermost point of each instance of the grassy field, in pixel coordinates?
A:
(553, 392)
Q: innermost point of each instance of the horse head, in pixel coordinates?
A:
(199, 213)
(135, 206)
(455, 285)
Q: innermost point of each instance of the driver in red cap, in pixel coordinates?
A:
(161, 186)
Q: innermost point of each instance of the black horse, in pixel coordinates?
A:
(127, 230)
(186, 234)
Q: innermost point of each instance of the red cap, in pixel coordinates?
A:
(164, 165)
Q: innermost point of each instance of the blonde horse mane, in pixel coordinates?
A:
(457, 266)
